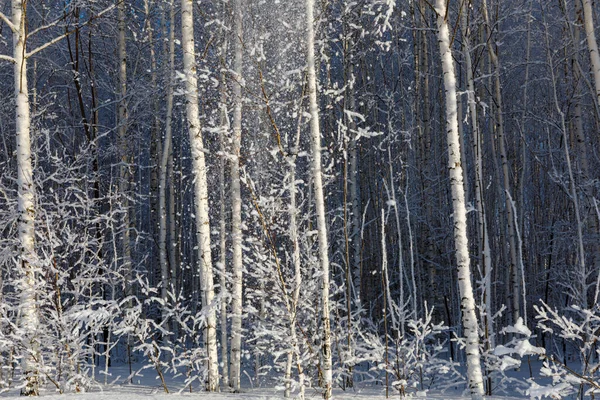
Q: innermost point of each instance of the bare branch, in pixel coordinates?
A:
(48, 44)
(8, 22)
(7, 58)
(41, 28)
(64, 35)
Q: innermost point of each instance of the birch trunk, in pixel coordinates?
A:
(222, 223)
(353, 183)
(295, 352)
(236, 206)
(163, 167)
(580, 288)
(293, 307)
(173, 245)
(326, 363)
(484, 242)
(588, 18)
(510, 213)
(200, 194)
(124, 175)
(155, 142)
(475, 380)
(582, 157)
(29, 319)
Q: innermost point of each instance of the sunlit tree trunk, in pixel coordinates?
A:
(469, 318)
(200, 194)
(317, 176)
(29, 318)
(588, 18)
(236, 205)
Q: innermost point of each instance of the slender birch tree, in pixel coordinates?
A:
(29, 320)
(224, 124)
(317, 177)
(236, 204)
(469, 318)
(588, 22)
(163, 166)
(200, 194)
(515, 310)
(484, 242)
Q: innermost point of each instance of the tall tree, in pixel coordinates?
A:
(509, 207)
(236, 203)
(469, 318)
(163, 168)
(29, 320)
(200, 194)
(588, 22)
(317, 178)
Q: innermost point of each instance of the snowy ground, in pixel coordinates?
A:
(146, 386)
(138, 392)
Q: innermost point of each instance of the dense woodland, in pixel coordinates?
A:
(300, 193)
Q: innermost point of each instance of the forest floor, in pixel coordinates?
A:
(140, 392)
(147, 386)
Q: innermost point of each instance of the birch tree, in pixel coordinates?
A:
(28, 282)
(236, 204)
(500, 130)
(484, 242)
(588, 22)
(200, 194)
(163, 166)
(469, 318)
(317, 177)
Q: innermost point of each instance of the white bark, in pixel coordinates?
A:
(236, 205)
(588, 17)
(402, 304)
(293, 307)
(222, 224)
(297, 286)
(200, 193)
(29, 319)
(124, 149)
(484, 242)
(163, 167)
(326, 363)
(475, 379)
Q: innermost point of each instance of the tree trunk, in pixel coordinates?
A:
(326, 363)
(224, 123)
(588, 17)
(475, 380)
(29, 319)
(484, 242)
(510, 213)
(163, 167)
(124, 148)
(200, 194)
(236, 205)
